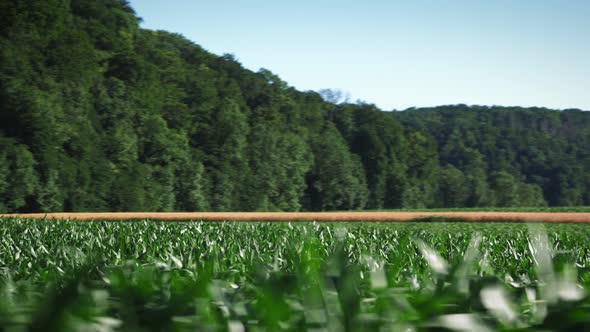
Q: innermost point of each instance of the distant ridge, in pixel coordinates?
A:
(99, 115)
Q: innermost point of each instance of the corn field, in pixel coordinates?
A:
(228, 276)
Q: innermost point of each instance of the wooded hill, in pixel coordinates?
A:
(97, 114)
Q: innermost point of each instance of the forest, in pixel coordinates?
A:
(97, 114)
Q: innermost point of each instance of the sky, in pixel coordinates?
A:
(400, 54)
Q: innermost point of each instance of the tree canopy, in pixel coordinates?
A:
(97, 114)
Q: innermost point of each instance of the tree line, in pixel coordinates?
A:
(97, 114)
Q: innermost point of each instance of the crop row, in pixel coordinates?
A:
(146, 275)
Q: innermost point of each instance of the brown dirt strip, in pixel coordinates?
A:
(558, 217)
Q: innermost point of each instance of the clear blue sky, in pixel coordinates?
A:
(399, 54)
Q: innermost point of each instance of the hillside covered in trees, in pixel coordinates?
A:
(97, 114)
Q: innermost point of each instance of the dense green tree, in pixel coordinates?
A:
(505, 189)
(4, 174)
(190, 187)
(530, 195)
(278, 164)
(537, 146)
(454, 189)
(422, 172)
(18, 179)
(379, 141)
(337, 181)
(228, 163)
(476, 180)
(97, 114)
(50, 196)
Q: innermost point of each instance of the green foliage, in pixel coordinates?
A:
(453, 187)
(4, 173)
(505, 189)
(337, 181)
(99, 115)
(228, 160)
(508, 153)
(50, 195)
(422, 171)
(531, 195)
(186, 276)
(190, 187)
(17, 175)
(379, 142)
(278, 163)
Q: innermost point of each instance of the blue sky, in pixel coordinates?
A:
(399, 54)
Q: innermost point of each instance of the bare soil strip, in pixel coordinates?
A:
(558, 217)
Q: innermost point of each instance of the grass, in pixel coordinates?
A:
(187, 276)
